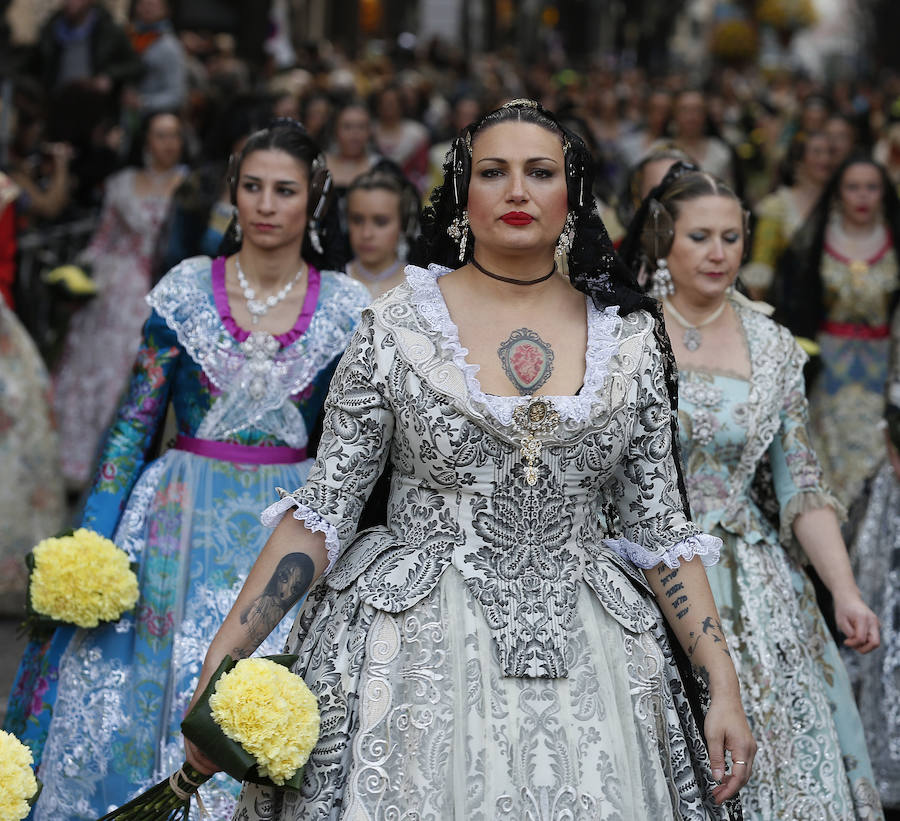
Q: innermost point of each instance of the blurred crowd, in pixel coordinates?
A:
(85, 92)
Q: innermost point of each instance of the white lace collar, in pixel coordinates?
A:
(602, 344)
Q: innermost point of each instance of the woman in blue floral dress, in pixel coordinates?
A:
(244, 347)
(742, 412)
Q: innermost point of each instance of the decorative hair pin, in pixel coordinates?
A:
(288, 122)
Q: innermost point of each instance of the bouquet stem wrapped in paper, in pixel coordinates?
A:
(256, 720)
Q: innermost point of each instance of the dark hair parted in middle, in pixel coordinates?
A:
(798, 289)
(652, 230)
(594, 267)
(386, 175)
(322, 242)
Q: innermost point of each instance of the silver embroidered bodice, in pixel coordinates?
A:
(461, 490)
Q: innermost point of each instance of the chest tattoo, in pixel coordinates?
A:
(527, 360)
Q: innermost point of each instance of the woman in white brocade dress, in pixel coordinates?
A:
(502, 647)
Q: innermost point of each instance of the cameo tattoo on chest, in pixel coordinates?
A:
(527, 360)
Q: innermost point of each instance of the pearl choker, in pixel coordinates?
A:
(371, 276)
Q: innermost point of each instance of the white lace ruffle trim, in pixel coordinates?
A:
(703, 545)
(601, 346)
(313, 522)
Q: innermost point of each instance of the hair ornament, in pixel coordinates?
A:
(287, 122)
(459, 166)
(522, 102)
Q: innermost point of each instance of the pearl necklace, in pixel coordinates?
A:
(692, 337)
(257, 307)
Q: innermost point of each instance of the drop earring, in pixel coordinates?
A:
(662, 285)
(236, 225)
(314, 237)
(564, 243)
(402, 248)
(458, 231)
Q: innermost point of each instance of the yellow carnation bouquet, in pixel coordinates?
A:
(18, 787)
(81, 578)
(256, 720)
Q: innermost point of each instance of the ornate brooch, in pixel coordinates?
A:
(260, 349)
(537, 416)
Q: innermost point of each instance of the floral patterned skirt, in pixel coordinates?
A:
(418, 720)
(812, 760)
(106, 704)
(876, 676)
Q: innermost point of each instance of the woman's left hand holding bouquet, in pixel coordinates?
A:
(291, 560)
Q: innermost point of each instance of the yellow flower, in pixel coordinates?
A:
(82, 579)
(17, 782)
(270, 712)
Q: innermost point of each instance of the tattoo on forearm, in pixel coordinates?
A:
(527, 360)
(674, 591)
(710, 627)
(290, 581)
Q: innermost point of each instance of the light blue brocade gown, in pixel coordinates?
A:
(812, 761)
(105, 705)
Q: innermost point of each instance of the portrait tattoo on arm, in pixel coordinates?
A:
(527, 360)
(290, 581)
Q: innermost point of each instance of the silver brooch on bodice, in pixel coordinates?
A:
(706, 399)
(537, 416)
(260, 349)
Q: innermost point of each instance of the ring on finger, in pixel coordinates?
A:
(740, 762)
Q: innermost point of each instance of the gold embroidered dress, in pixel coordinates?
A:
(847, 399)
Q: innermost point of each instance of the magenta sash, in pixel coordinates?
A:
(242, 454)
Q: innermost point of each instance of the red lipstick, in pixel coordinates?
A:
(517, 218)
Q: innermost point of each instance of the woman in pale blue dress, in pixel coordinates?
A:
(101, 709)
(742, 409)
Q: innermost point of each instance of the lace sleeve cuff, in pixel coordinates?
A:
(803, 502)
(702, 545)
(313, 522)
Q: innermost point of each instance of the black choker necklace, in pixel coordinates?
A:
(511, 280)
